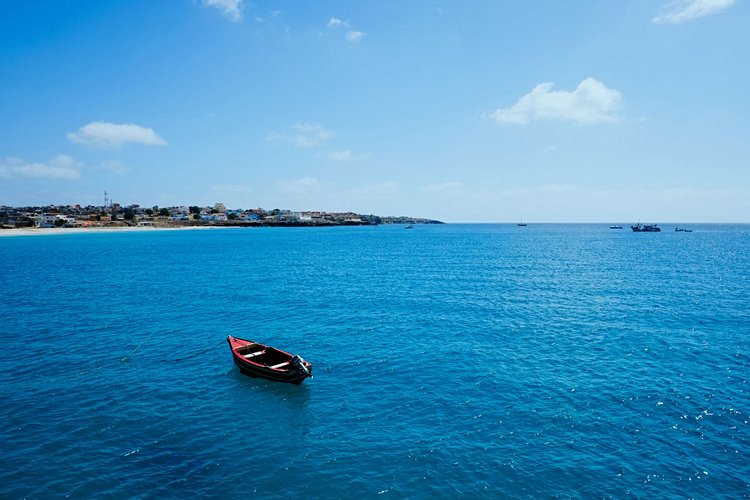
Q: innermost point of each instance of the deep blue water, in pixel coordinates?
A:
(450, 361)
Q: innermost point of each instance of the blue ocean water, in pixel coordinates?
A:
(449, 361)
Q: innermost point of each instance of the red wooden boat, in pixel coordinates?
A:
(259, 360)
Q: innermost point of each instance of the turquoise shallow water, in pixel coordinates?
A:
(450, 361)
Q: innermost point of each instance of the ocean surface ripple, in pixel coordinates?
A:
(450, 361)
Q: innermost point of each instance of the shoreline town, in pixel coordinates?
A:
(59, 219)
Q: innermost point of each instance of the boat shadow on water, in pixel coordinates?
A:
(249, 388)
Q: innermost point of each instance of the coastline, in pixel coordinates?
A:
(37, 231)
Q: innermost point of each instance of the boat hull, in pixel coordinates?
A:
(262, 361)
(259, 372)
(648, 228)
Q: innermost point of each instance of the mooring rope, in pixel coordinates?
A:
(99, 367)
(125, 358)
(196, 354)
(136, 348)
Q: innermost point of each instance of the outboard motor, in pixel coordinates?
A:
(300, 364)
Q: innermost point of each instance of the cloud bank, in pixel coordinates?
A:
(229, 8)
(59, 167)
(591, 102)
(680, 11)
(113, 135)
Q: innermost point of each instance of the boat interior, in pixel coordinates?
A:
(267, 356)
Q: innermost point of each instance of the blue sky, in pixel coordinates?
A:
(471, 111)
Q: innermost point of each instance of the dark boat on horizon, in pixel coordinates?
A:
(645, 228)
(259, 360)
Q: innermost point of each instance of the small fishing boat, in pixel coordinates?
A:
(645, 228)
(615, 227)
(259, 360)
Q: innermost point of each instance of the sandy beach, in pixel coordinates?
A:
(37, 231)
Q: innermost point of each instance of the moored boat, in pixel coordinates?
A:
(260, 360)
(645, 228)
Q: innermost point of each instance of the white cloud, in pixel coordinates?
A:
(680, 11)
(351, 35)
(271, 15)
(113, 135)
(335, 22)
(341, 155)
(305, 135)
(354, 36)
(230, 8)
(591, 102)
(347, 155)
(59, 167)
